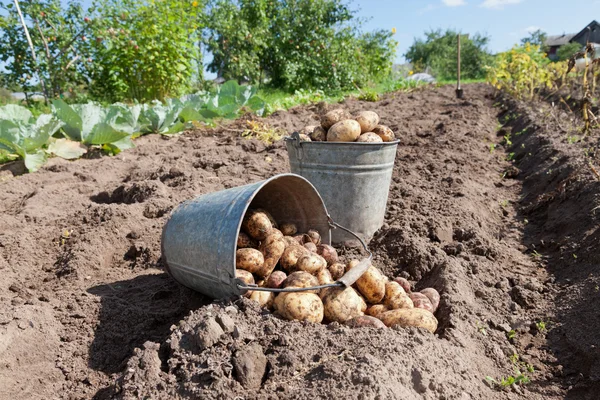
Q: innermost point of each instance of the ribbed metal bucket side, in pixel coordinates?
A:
(200, 237)
(352, 178)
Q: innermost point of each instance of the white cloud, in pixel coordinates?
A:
(531, 29)
(454, 3)
(499, 4)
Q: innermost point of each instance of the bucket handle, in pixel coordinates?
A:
(295, 138)
(347, 280)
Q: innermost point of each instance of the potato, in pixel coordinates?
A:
(365, 321)
(264, 299)
(319, 134)
(372, 285)
(404, 283)
(304, 138)
(396, 297)
(363, 303)
(433, 296)
(421, 301)
(249, 259)
(324, 277)
(342, 304)
(288, 229)
(245, 277)
(351, 264)
(290, 257)
(344, 131)
(333, 117)
(307, 130)
(301, 238)
(369, 137)
(257, 224)
(290, 241)
(328, 253)
(310, 246)
(299, 306)
(312, 263)
(368, 120)
(385, 133)
(376, 310)
(273, 222)
(405, 317)
(276, 279)
(337, 270)
(301, 279)
(244, 241)
(314, 236)
(272, 249)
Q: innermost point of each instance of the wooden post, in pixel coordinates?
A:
(459, 91)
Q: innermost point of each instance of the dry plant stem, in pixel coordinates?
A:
(594, 170)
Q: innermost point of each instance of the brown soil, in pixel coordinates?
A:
(86, 310)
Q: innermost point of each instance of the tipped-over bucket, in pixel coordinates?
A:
(352, 178)
(199, 239)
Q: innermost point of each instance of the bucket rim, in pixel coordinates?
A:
(392, 143)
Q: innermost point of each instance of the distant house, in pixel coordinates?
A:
(590, 32)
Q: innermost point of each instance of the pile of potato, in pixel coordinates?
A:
(339, 126)
(278, 256)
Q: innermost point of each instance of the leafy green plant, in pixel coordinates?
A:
(161, 118)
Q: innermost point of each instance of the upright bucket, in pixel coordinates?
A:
(199, 240)
(352, 178)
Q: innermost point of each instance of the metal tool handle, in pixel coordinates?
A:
(296, 142)
(346, 280)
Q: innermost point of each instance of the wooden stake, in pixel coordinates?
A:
(459, 91)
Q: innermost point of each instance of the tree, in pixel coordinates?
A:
(567, 51)
(438, 52)
(537, 38)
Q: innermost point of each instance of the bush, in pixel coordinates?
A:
(565, 52)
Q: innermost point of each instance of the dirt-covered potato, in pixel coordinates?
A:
(333, 117)
(396, 297)
(433, 296)
(249, 259)
(268, 214)
(304, 138)
(347, 130)
(272, 249)
(376, 310)
(290, 241)
(406, 317)
(307, 130)
(264, 299)
(421, 301)
(299, 306)
(404, 283)
(342, 304)
(337, 270)
(351, 264)
(363, 303)
(257, 224)
(244, 241)
(301, 238)
(288, 229)
(368, 120)
(310, 246)
(369, 137)
(324, 277)
(365, 321)
(301, 279)
(247, 278)
(290, 257)
(312, 263)
(385, 133)
(319, 134)
(276, 279)
(372, 285)
(314, 236)
(328, 253)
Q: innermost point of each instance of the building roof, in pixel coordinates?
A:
(559, 40)
(592, 26)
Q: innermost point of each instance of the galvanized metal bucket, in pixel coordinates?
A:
(352, 178)
(200, 237)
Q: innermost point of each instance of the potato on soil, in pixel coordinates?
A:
(404, 283)
(304, 138)
(344, 131)
(368, 120)
(314, 236)
(372, 285)
(377, 310)
(310, 246)
(272, 249)
(301, 279)
(245, 277)
(385, 133)
(307, 130)
(369, 137)
(342, 304)
(406, 317)
(351, 264)
(328, 253)
(421, 301)
(312, 263)
(264, 299)
(288, 229)
(396, 297)
(365, 321)
(333, 117)
(257, 224)
(290, 257)
(337, 270)
(433, 296)
(276, 279)
(299, 306)
(319, 134)
(244, 241)
(249, 259)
